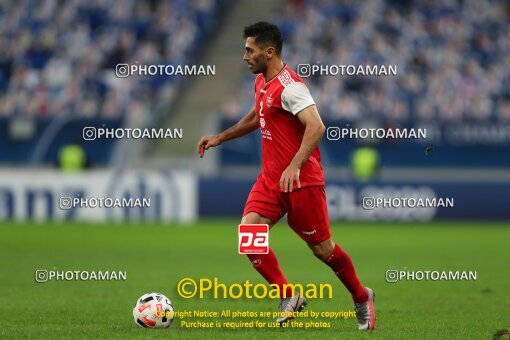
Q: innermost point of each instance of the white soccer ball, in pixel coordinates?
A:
(153, 310)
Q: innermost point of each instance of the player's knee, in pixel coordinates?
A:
(250, 218)
(322, 249)
(321, 253)
(254, 218)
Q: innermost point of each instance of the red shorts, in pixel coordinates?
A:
(306, 208)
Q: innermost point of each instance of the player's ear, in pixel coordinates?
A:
(270, 52)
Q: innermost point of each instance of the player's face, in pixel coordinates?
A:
(255, 56)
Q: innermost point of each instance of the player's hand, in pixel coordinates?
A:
(289, 176)
(207, 142)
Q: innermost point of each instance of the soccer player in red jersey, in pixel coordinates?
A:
(291, 180)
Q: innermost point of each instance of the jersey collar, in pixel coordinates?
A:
(276, 76)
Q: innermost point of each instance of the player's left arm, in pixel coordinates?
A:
(314, 130)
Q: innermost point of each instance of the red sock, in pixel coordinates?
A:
(343, 267)
(267, 266)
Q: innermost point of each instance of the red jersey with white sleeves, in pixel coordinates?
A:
(277, 103)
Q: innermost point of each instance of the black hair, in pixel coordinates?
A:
(265, 34)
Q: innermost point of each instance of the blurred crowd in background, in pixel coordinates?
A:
(59, 57)
(452, 58)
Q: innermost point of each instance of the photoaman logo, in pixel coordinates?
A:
(253, 239)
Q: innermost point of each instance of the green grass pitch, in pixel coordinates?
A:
(157, 256)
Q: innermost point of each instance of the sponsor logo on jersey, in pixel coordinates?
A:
(285, 78)
(269, 101)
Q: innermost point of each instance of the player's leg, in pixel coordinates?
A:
(308, 217)
(266, 264)
(263, 207)
(341, 264)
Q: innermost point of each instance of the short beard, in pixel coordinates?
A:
(258, 70)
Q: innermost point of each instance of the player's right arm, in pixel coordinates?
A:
(246, 125)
